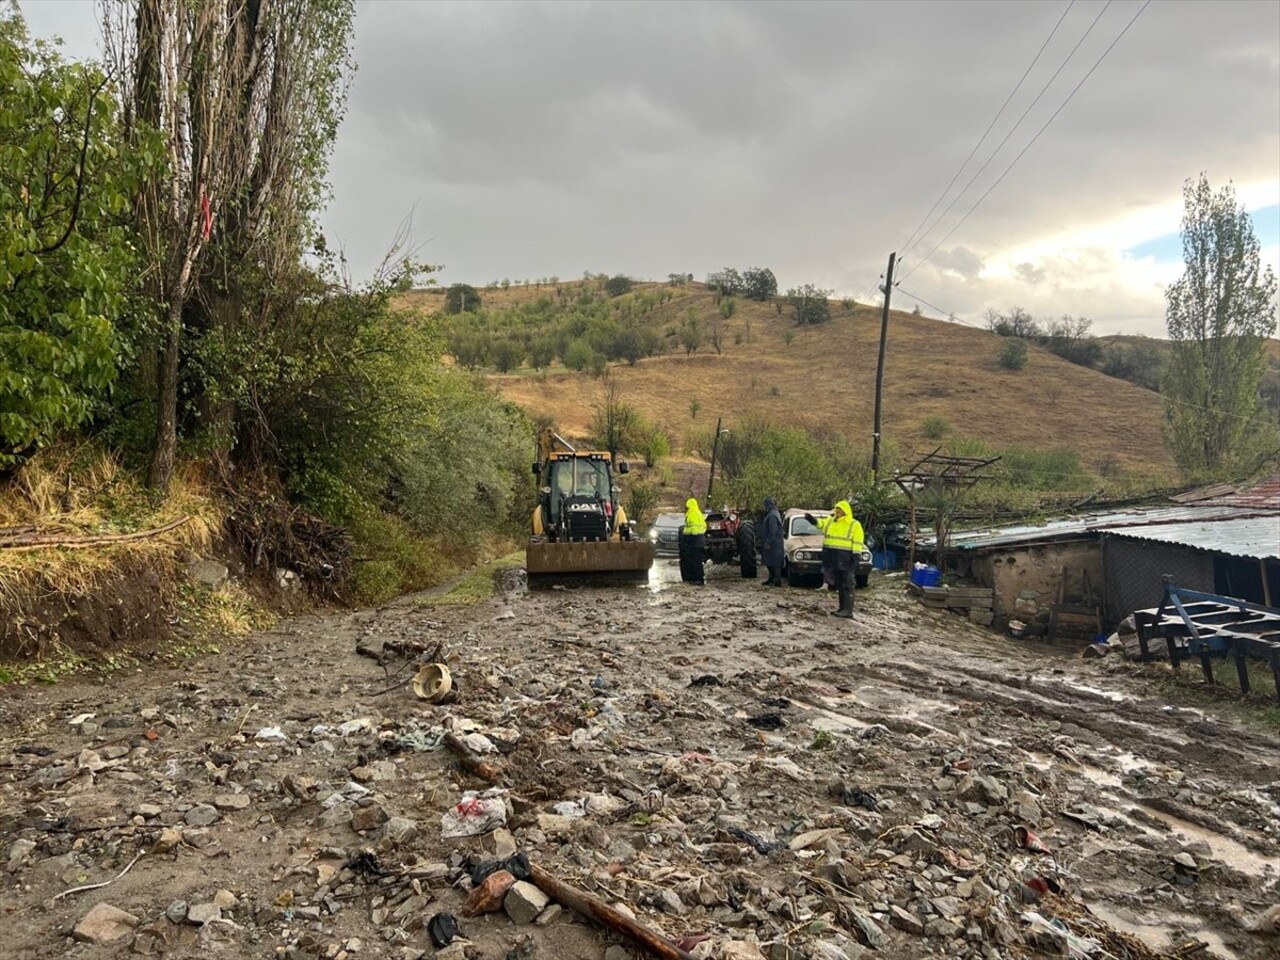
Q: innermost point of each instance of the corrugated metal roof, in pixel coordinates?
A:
(1080, 527)
(1254, 537)
(1263, 496)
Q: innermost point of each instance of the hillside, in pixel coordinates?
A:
(825, 378)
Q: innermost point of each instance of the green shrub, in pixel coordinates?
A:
(578, 356)
(506, 355)
(728, 307)
(617, 285)
(1013, 354)
(461, 298)
(935, 428)
(641, 499)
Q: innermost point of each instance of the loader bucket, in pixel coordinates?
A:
(592, 562)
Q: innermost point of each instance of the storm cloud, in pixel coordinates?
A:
(539, 139)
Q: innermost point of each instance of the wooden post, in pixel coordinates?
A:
(715, 447)
(884, 342)
(1266, 586)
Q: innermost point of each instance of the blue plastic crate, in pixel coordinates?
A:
(884, 560)
(926, 576)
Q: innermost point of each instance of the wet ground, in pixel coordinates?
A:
(882, 764)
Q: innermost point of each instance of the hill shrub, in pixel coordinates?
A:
(461, 298)
(809, 305)
(1013, 354)
(617, 285)
(759, 284)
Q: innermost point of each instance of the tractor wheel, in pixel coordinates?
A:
(747, 550)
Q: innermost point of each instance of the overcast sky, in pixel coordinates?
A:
(539, 139)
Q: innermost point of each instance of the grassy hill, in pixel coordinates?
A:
(941, 380)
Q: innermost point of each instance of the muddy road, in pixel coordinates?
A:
(729, 763)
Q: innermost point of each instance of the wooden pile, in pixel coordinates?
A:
(976, 603)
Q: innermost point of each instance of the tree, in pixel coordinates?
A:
(66, 254)
(461, 298)
(691, 336)
(760, 284)
(809, 305)
(1016, 323)
(617, 285)
(541, 352)
(1219, 315)
(248, 98)
(506, 354)
(728, 281)
(616, 425)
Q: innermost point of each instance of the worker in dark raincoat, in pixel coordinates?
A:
(693, 544)
(841, 547)
(771, 554)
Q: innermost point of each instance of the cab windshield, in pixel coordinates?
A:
(580, 478)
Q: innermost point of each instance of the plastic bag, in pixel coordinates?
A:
(474, 814)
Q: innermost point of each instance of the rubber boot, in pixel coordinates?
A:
(846, 598)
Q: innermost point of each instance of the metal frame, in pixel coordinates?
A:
(1205, 625)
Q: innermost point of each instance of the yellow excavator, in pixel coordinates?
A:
(580, 531)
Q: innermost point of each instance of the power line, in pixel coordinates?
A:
(1012, 130)
(1030, 143)
(949, 314)
(908, 246)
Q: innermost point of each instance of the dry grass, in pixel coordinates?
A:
(825, 377)
(81, 490)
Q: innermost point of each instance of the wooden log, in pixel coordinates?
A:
(593, 908)
(470, 760)
(46, 541)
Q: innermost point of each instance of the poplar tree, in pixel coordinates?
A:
(1219, 315)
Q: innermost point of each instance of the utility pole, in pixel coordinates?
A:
(884, 342)
(715, 446)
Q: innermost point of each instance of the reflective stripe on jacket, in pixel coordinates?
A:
(843, 533)
(694, 522)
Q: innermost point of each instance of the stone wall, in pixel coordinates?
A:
(1027, 580)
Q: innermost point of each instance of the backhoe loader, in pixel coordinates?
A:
(580, 530)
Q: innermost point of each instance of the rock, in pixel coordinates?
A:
(224, 899)
(177, 911)
(398, 831)
(487, 898)
(335, 817)
(499, 844)
(869, 932)
(549, 915)
(201, 815)
(555, 825)
(524, 902)
(210, 574)
(104, 924)
(148, 810)
(232, 801)
(201, 913)
(368, 817)
(170, 839)
(454, 951)
(904, 921)
(741, 950)
(19, 850)
(814, 837)
(1187, 862)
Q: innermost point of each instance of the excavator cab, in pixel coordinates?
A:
(580, 529)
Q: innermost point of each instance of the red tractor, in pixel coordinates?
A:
(731, 538)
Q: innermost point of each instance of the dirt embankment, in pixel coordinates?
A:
(732, 765)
